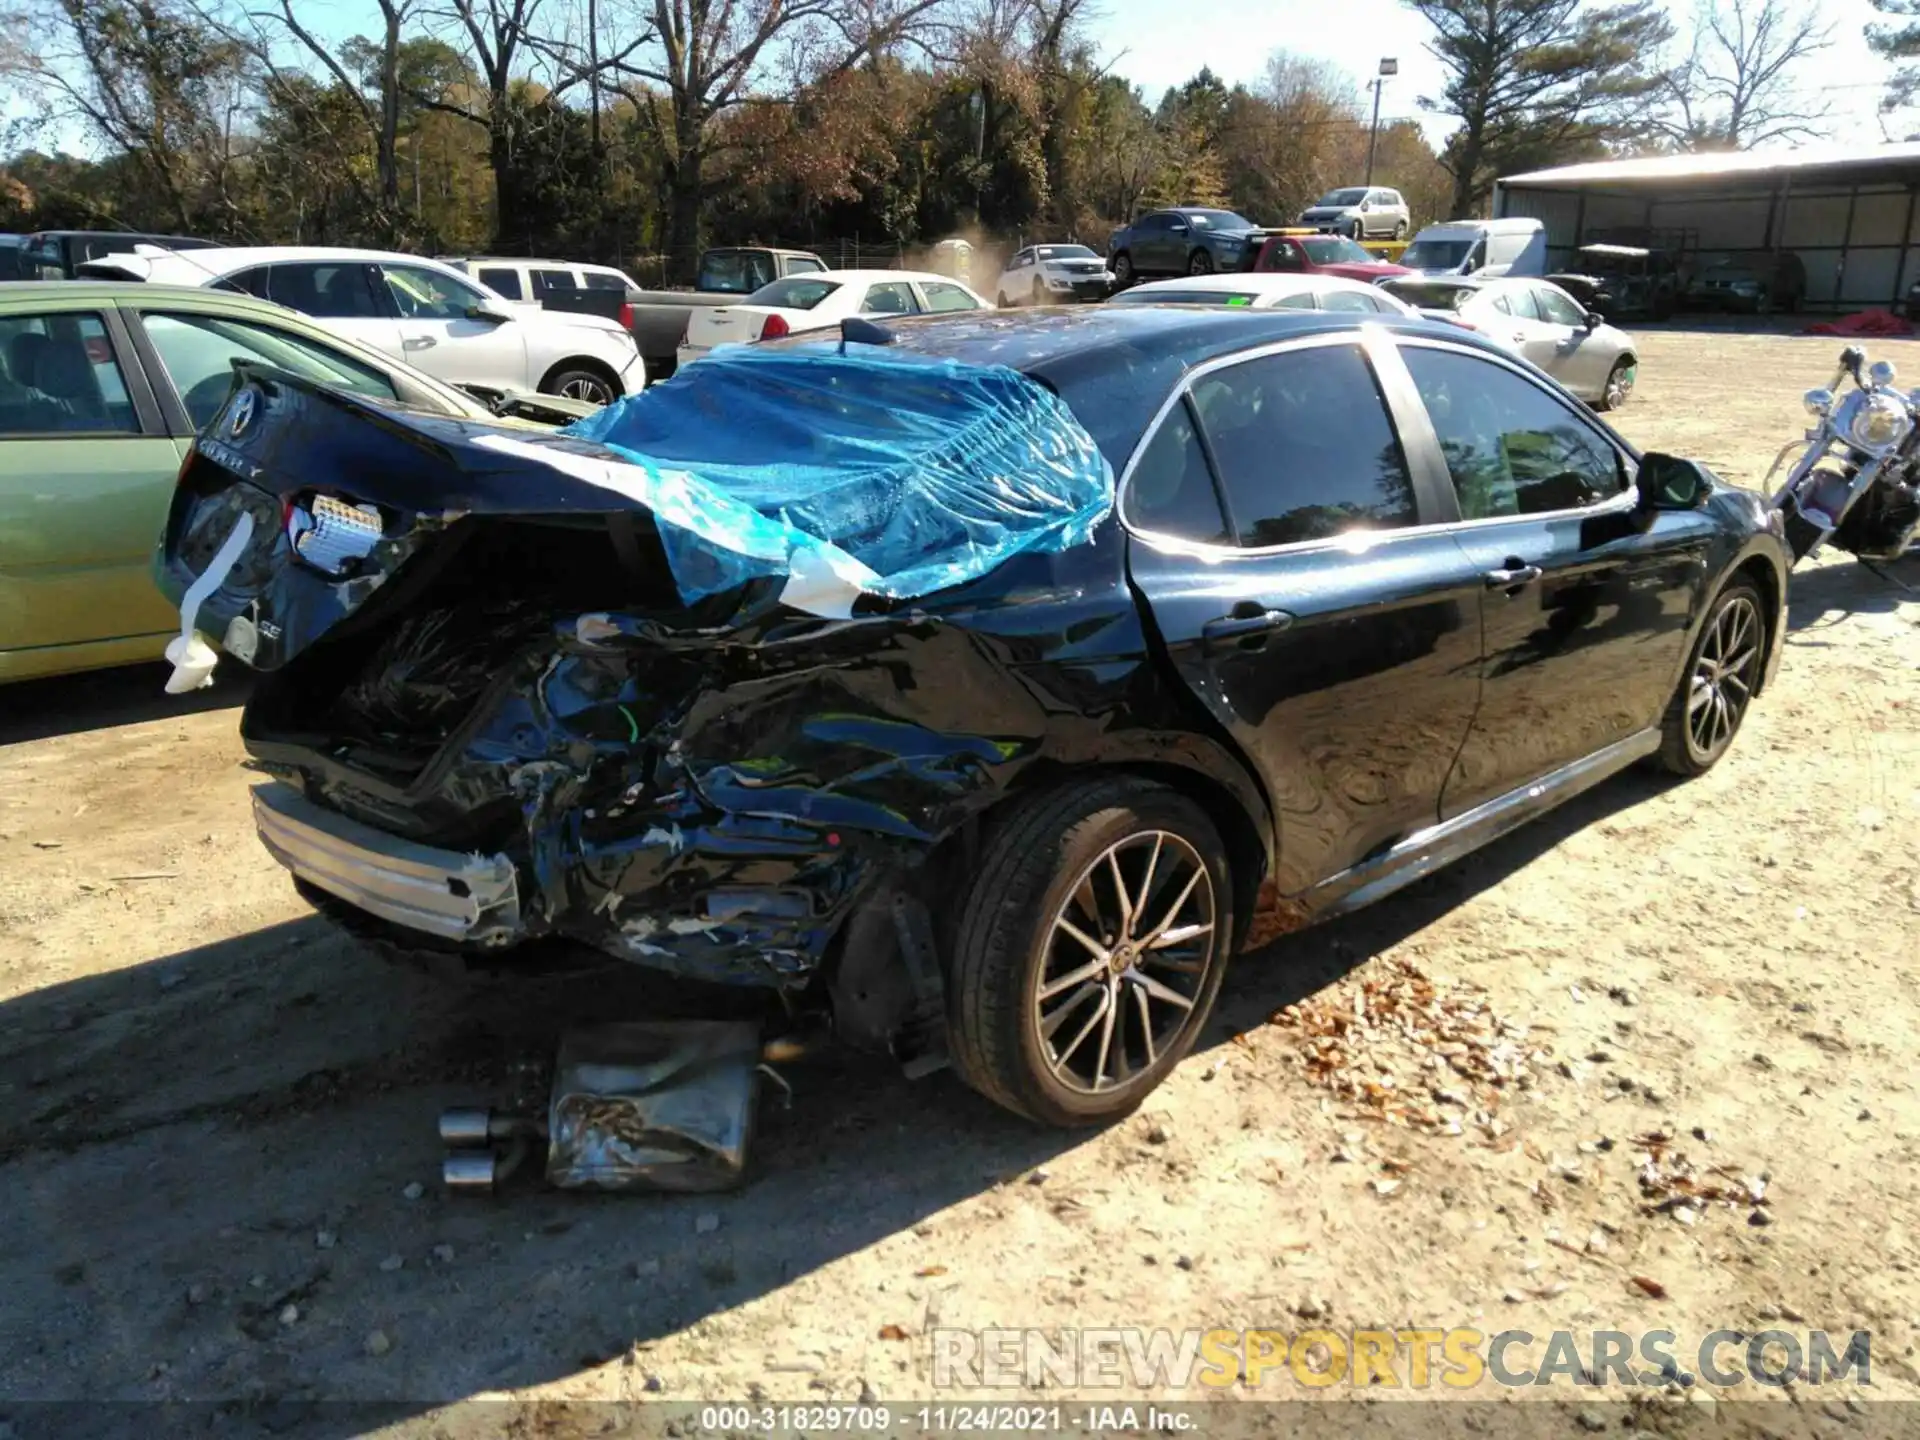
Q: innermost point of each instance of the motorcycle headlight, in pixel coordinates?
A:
(1879, 423)
(1818, 402)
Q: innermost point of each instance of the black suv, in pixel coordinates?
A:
(1368, 595)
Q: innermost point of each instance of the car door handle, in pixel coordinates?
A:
(417, 342)
(1513, 575)
(1246, 628)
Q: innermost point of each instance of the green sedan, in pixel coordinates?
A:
(102, 386)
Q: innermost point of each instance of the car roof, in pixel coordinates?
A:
(239, 257)
(1252, 282)
(856, 276)
(1115, 363)
(100, 292)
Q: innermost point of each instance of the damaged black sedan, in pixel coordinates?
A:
(973, 682)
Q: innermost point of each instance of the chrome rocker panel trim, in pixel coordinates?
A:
(1438, 846)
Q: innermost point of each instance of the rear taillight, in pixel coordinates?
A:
(775, 327)
(625, 317)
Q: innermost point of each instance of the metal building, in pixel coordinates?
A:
(1848, 212)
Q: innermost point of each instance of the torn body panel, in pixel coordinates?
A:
(721, 807)
(506, 671)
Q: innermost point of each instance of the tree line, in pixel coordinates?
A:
(625, 129)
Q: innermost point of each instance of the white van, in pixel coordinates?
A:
(1479, 247)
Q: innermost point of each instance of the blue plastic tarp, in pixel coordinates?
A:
(862, 472)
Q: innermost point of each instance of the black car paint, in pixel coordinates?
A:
(720, 794)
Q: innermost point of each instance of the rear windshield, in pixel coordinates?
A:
(796, 292)
(1343, 197)
(1334, 250)
(1182, 297)
(734, 272)
(1428, 296)
(1435, 254)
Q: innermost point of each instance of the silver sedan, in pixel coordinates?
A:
(1537, 321)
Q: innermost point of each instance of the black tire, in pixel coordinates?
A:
(1122, 270)
(1682, 751)
(1200, 263)
(1002, 301)
(1039, 292)
(1399, 230)
(1005, 945)
(579, 383)
(1621, 375)
(1357, 230)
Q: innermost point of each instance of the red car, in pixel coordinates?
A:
(1328, 254)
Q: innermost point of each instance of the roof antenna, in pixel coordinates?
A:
(863, 332)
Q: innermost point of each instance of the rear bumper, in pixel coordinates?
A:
(471, 898)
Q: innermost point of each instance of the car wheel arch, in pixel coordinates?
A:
(583, 362)
(1227, 799)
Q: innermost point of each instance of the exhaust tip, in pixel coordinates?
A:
(465, 1127)
(471, 1172)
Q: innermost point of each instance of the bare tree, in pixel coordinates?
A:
(512, 44)
(1732, 89)
(709, 55)
(150, 80)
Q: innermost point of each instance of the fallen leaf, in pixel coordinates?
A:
(892, 1332)
(1650, 1286)
(928, 1271)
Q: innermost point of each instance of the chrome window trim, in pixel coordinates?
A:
(1372, 339)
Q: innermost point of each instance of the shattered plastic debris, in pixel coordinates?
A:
(653, 1106)
(891, 476)
(1672, 1184)
(1412, 1051)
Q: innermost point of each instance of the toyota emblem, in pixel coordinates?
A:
(244, 405)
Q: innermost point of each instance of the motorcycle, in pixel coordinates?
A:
(1857, 482)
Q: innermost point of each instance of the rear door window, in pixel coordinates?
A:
(61, 377)
(554, 280)
(943, 298)
(890, 297)
(502, 279)
(795, 293)
(1172, 491)
(599, 280)
(1305, 445)
(333, 290)
(1520, 302)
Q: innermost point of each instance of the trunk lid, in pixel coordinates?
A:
(299, 503)
(726, 325)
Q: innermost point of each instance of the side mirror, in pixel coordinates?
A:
(1666, 482)
(1594, 321)
(488, 313)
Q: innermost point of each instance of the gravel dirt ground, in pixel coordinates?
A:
(219, 1175)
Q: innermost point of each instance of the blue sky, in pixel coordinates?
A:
(1146, 42)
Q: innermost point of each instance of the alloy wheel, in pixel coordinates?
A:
(1723, 678)
(1619, 386)
(1127, 957)
(589, 388)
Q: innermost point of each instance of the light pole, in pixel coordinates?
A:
(1387, 67)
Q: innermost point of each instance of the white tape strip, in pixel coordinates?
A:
(193, 658)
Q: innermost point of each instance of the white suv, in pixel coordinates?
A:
(520, 279)
(417, 310)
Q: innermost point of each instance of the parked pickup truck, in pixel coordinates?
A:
(726, 275)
